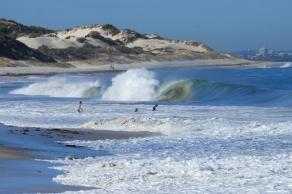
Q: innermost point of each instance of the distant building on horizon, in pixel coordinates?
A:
(264, 52)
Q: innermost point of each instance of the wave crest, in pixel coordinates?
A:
(138, 85)
(132, 85)
(202, 90)
(61, 87)
(166, 126)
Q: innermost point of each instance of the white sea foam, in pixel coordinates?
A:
(173, 126)
(174, 120)
(167, 126)
(286, 65)
(228, 153)
(183, 165)
(238, 174)
(203, 149)
(133, 85)
(61, 87)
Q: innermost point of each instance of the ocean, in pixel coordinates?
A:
(216, 130)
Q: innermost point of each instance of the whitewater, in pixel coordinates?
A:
(217, 130)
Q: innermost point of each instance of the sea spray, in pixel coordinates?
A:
(146, 85)
(133, 85)
(286, 65)
(57, 86)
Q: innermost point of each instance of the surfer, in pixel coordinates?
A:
(79, 107)
(154, 107)
(136, 110)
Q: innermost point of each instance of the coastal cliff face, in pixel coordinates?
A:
(95, 44)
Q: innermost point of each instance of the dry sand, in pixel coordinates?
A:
(80, 67)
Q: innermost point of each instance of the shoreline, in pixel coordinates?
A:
(22, 173)
(24, 151)
(7, 152)
(80, 67)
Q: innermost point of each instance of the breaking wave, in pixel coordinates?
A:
(137, 85)
(167, 125)
(286, 65)
(133, 85)
(203, 90)
(61, 87)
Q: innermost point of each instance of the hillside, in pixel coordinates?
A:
(14, 29)
(95, 44)
(16, 50)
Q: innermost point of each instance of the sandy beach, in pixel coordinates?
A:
(19, 170)
(12, 153)
(25, 68)
(23, 152)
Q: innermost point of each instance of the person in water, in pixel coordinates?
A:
(79, 107)
(136, 110)
(154, 107)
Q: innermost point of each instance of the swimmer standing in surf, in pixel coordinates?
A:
(79, 107)
(154, 107)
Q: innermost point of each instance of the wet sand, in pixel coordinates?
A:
(12, 153)
(23, 151)
(29, 176)
(80, 134)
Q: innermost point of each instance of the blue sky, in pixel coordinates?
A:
(225, 25)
